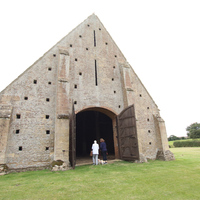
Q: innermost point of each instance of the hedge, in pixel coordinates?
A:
(192, 143)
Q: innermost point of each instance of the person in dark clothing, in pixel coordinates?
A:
(103, 149)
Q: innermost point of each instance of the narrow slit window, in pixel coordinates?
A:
(75, 86)
(70, 45)
(20, 148)
(96, 83)
(94, 39)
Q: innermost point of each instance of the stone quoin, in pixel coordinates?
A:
(81, 90)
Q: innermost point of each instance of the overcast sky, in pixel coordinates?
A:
(160, 39)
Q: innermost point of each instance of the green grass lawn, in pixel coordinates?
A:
(178, 179)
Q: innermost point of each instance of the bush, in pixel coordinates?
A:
(190, 143)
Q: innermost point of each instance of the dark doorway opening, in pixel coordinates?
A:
(90, 126)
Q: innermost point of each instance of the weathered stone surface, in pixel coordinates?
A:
(160, 155)
(3, 168)
(143, 158)
(62, 167)
(169, 155)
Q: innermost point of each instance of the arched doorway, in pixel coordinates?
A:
(93, 124)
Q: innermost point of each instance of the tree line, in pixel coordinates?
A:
(193, 132)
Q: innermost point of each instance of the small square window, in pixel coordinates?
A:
(54, 55)
(75, 102)
(18, 116)
(115, 56)
(80, 36)
(49, 83)
(47, 131)
(49, 68)
(17, 131)
(47, 99)
(25, 98)
(75, 86)
(47, 116)
(76, 59)
(20, 148)
(112, 79)
(149, 131)
(35, 81)
(47, 148)
(80, 73)
(70, 45)
(149, 143)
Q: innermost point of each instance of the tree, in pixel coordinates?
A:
(173, 137)
(193, 131)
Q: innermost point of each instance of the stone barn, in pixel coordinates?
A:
(80, 90)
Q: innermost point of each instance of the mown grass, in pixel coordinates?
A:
(179, 179)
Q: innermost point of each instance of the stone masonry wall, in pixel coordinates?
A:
(149, 136)
(32, 96)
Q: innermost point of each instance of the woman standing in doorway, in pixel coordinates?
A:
(103, 149)
(95, 153)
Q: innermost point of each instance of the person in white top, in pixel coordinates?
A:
(95, 153)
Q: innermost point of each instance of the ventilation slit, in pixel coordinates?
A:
(94, 39)
(96, 72)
